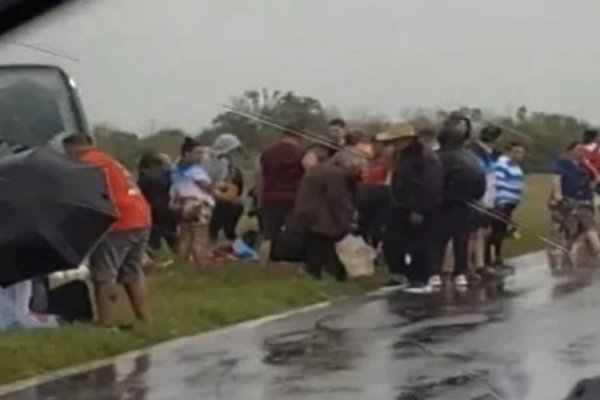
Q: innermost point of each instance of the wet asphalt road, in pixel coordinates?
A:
(533, 339)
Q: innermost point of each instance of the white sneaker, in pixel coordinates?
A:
(461, 280)
(426, 289)
(435, 281)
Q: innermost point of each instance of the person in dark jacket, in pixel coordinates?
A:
(280, 171)
(154, 180)
(464, 182)
(324, 212)
(416, 192)
(229, 185)
(483, 147)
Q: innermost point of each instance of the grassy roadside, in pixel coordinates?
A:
(532, 216)
(187, 302)
(184, 302)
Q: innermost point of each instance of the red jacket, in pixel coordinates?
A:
(592, 158)
(281, 170)
(377, 172)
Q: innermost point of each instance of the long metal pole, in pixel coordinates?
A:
(45, 50)
(509, 222)
(311, 136)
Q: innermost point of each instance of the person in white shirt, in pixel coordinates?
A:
(192, 198)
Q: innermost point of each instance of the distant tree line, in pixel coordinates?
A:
(544, 134)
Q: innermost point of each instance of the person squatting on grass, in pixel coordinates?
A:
(229, 186)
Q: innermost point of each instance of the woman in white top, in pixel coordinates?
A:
(191, 197)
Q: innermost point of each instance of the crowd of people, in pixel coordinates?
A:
(424, 198)
(437, 205)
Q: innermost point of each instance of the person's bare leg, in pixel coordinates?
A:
(104, 294)
(476, 255)
(594, 240)
(576, 250)
(493, 258)
(264, 253)
(448, 262)
(473, 252)
(184, 243)
(138, 298)
(200, 245)
(480, 243)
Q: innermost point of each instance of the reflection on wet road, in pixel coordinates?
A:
(535, 338)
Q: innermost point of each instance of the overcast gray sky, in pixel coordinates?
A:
(155, 63)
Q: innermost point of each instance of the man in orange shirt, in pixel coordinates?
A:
(119, 256)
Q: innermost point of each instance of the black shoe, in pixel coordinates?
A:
(503, 270)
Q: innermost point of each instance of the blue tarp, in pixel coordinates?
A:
(243, 251)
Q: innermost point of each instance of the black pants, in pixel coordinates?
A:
(373, 205)
(272, 219)
(453, 224)
(225, 217)
(403, 238)
(321, 256)
(499, 232)
(164, 226)
(71, 301)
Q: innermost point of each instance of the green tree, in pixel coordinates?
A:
(545, 134)
(164, 141)
(284, 108)
(125, 146)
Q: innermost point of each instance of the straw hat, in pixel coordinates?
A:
(396, 132)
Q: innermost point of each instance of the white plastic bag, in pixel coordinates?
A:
(357, 256)
(60, 278)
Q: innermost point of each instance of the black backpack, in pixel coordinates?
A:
(465, 179)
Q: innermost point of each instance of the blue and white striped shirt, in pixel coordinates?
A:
(510, 181)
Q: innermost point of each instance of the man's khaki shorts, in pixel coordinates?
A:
(119, 257)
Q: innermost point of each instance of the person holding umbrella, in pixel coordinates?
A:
(118, 258)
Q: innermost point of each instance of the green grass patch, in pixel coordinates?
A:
(532, 216)
(184, 302)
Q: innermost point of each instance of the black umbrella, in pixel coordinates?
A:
(53, 211)
(29, 114)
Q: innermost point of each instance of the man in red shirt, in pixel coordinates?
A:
(118, 258)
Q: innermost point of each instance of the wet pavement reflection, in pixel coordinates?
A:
(535, 337)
